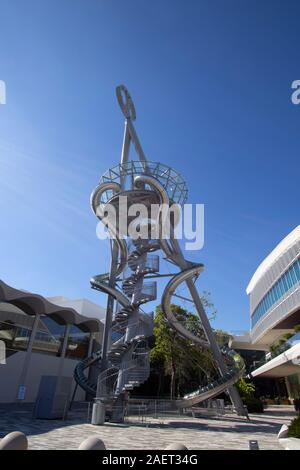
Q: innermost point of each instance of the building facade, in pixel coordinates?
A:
(40, 336)
(274, 295)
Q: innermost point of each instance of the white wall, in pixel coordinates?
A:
(40, 364)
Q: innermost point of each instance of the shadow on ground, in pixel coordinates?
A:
(19, 418)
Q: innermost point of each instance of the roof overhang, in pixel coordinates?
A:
(33, 304)
(284, 245)
(283, 365)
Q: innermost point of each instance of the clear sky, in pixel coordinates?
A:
(211, 81)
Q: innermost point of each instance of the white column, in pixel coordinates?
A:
(90, 347)
(63, 350)
(24, 372)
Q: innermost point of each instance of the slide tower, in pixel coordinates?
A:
(123, 361)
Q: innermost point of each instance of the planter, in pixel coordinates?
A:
(270, 401)
(288, 443)
(285, 402)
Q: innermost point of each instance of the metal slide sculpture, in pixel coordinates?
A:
(123, 362)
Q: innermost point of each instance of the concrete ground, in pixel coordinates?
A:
(196, 433)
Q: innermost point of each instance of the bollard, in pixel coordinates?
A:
(14, 441)
(92, 443)
(176, 446)
(98, 413)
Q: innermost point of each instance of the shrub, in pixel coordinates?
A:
(246, 389)
(294, 428)
(297, 404)
(254, 405)
(297, 329)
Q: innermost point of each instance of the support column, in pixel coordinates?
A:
(90, 347)
(234, 395)
(24, 372)
(63, 350)
(98, 412)
(110, 306)
(288, 387)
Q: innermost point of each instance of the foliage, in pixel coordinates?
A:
(294, 427)
(297, 404)
(223, 337)
(297, 328)
(282, 344)
(177, 357)
(208, 305)
(246, 389)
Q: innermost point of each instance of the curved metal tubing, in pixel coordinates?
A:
(121, 350)
(217, 387)
(191, 271)
(105, 287)
(166, 307)
(98, 211)
(164, 199)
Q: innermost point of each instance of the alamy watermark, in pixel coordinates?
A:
(2, 92)
(155, 221)
(2, 352)
(295, 96)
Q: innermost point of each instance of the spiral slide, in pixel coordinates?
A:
(124, 361)
(235, 367)
(136, 370)
(127, 355)
(234, 362)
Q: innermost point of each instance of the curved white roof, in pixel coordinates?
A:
(284, 245)
(34, 303)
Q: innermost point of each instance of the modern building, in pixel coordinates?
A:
(274, 294)
(40, 336)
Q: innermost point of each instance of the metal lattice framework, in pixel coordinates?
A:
(170, 179)
(123, 362)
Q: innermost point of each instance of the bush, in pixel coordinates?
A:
(254, 405)
(294, 428)
(246, 389)
(297, 404)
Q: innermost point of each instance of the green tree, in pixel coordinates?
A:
(184, 362)
(246, 389)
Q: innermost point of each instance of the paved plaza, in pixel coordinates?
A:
(196, 433)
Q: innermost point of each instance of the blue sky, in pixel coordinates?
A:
(211, 81)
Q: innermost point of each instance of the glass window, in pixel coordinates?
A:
(15, 328)
(272, 296)
(49, 337)
(289, 280)
(297, 270)
(275, 293)
(280, 288)
(78, 343)
(283, 285)
(269, 300)
(293, 275)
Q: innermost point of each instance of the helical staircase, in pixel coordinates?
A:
(125, 364)
(128, 354)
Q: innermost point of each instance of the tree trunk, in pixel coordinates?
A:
(172, 383)
(159, 384)
(178, 391)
